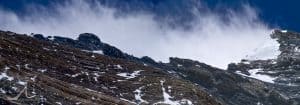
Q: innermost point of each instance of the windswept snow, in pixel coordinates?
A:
(130, 75)
(267, 50)
(254, 74)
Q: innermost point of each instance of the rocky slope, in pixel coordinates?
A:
(42, 72)
(52, 69)
(227, 86)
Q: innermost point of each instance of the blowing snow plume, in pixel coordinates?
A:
(213, 38)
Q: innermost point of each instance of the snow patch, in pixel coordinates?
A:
(92, 90)
(138, 96)
(58, 103)
(254, 74)
(119, 66)
(127, 100)
(197, 65)
(296, 49)
(42, 70)
(6, 68)
(14, 88)
(246, 62)
(258, 103)
(96, 76)
(43, 99)
(51, 38)
(167, 98)
(75, 75)
(27, 66)
(130, 75)
(98, 52)
(21, 82)
(4, 75)
(186, 102)
(2, 91)
(179, 65)
(47, 49)
(33, 78)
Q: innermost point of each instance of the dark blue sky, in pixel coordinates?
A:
(276, 13)
(282, 13)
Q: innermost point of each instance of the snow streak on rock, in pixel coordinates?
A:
(254, 73)
(130, 75)
(168, 97)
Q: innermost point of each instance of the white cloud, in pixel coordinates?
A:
(212, 39)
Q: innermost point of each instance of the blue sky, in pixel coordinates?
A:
(277, 13)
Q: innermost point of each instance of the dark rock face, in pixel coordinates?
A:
(148, 60)
(85, 41)
(90, 41)
(39, 36)
(113, 51)
(289, 45)
(44, 72)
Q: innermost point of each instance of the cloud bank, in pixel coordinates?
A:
(211, 39)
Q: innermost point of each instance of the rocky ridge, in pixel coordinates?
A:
(227, 86)
(90, 64)
(40, 72)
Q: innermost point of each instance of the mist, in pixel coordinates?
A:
(211, 39)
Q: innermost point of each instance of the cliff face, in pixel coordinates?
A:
(35, 71)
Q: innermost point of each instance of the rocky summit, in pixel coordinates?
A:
(53, 70)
